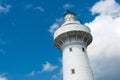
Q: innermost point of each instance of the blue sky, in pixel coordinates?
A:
(27, 51)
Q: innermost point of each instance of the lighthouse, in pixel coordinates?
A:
(72, 38)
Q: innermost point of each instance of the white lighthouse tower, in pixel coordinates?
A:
(72, 38)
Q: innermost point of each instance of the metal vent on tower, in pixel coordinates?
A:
(70, 49)
(73, 71)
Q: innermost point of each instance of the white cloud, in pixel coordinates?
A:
(55, 26)
(58, 76)
(30, 6)
(68, 6)
(106, 7)
(2, 51)
(104, 52)
(2, 76)
(49, 67)
(5, 9)
(31, 74)
(54, 77)
(39, 8)
(3, 43)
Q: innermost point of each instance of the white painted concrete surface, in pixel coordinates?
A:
(73, 38)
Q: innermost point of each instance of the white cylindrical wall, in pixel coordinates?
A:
(75, 63)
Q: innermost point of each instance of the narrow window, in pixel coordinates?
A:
(70, 49)
(73, 71)
(83, 49)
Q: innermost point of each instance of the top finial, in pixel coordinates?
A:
(69, 16)
(69, 12)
